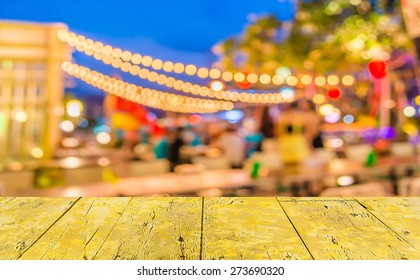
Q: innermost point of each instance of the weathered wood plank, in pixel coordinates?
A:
(343, 229)
(156, 229)
(400, 214)
(250, 229)
(25, 220)
(5, 200)
(81, 232)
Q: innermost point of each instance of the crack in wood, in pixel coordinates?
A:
(109, 233)
(72, 204)
(385, 225)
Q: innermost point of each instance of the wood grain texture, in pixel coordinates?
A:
(24, 220)
(156, 229)
(209, 228)
(343, 229)
(5, 200)
(401, 214)
(250, 229)
(81, 232)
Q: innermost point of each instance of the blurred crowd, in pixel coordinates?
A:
(295, 129)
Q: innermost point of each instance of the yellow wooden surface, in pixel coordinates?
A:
(401, 214)
(82, 232)
(24, 220)
(4, 200)
(249, 228)
(341, 229)
(156, 229)
(209, 228)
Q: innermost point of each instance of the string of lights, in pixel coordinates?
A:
(129, 62)
(145, 96)
(214, 91)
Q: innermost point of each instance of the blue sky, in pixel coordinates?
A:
(178, 30)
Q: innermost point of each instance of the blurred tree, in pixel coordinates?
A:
(325, 36)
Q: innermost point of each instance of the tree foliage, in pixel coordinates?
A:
(325, 36)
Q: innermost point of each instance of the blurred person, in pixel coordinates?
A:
(267, 124)
(312, 124)
(233, 146)
(175, 143)
(293, 144)
(253, 136)
(191, 136)
(159, 142)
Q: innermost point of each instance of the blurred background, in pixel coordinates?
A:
(210, 98)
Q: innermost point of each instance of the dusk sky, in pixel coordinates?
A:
(182, 30)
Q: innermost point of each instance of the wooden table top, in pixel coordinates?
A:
(210, 228)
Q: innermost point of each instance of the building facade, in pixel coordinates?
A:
(31, 90)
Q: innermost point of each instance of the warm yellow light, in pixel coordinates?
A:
(98, 56)
(170, 82)
(333, 80)
(195, 89)
(21, 116)
(178, 85)
(292, 81)
(126, 66)
(147, 61)
(116, 63)
(144, 73)
(217, 86)
(320, 81)
(265, 79)
(67, 126)
(190, 69)
(157, 64)
(134, 70)
(179, 68)
(65, 65)
(161, 79)
(410, 129)
(252, 78)
(417, 100)
(74, 108)
(215, 74)
(227, 76)
(37, 153)
(187, 87)
(278, 80)
(239, 77)
(136, 59)
(126, 56)
(103, 138)
(116, 53)
(318, 99)
(168, 66)
(409, 111)
(62, 34)
(326, 109)
(97, 46)
(107, 60)
(203, 73)
(148, 97)
(348, 80)
(107, 50)
(306, 79)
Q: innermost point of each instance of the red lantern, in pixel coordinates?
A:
(377, 69)
(334, 93)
